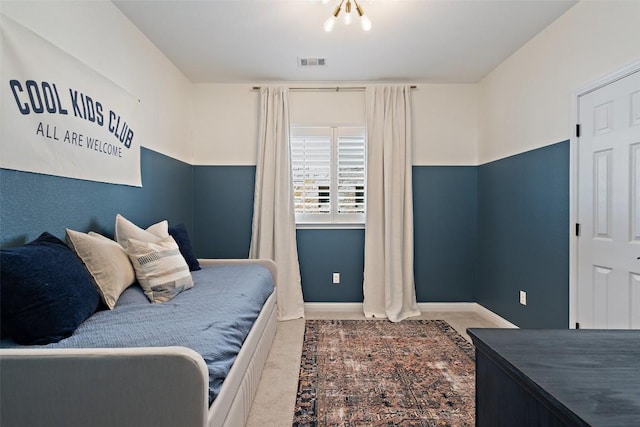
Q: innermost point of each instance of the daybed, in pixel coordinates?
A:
(150, 386)
(195, 359)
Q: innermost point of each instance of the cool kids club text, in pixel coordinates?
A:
(43, 97)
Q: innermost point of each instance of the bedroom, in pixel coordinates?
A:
(470, 142)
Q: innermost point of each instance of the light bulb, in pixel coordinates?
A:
(329, 24)
(347, 18)
(347, 13)
(325, 1)
(365, 22)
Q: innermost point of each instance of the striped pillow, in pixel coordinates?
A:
(160, 268)
(126, 230)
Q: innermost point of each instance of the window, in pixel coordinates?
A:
(328, 166)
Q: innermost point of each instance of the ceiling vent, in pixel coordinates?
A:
(312, 62)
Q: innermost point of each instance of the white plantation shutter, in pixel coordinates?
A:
(350, 174)
(328, 170)
(311, 169)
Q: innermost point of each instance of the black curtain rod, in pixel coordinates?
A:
(336, 89)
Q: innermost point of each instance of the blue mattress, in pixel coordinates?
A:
(213, 318)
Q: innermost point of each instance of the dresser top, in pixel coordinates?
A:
(593, 375)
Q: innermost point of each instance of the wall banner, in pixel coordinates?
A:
(60, 117)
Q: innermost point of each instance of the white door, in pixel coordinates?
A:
(608, 286)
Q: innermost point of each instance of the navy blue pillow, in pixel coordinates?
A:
(45, 291)
(180, 235)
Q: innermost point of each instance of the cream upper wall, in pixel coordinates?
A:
(99, 35)
(525, 103)
(225, 121)
(445, 125)
(217, 124)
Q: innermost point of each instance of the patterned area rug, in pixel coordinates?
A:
(378, 373)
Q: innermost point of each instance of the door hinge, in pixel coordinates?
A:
(577, 229)
(577, 131)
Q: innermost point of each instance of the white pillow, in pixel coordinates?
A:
(126, 230)
(106, 261)
(160, 268)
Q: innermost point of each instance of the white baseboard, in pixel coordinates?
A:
(425, 307)
(333, 307)
(493, 316)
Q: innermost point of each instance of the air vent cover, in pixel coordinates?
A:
(312, 62)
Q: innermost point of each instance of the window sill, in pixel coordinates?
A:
(331, 226)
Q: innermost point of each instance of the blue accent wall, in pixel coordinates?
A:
(33, 203)
(523, 235)
(445, 205)
(322, 252)
(223, 210)
(223, 213)
(481, 233)
(445, 208)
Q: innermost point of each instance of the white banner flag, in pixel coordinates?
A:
(61, 117)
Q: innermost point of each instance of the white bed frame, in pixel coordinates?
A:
(133, 387)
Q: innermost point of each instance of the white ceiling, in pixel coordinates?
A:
(435, 41)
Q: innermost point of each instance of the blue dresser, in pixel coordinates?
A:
(531, 377)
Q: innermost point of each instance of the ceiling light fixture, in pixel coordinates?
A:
(365, 22)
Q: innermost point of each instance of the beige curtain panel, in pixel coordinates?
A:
(389, 288)
(273, 233)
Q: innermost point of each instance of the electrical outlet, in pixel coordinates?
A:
(523, 298)
(336, 278)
